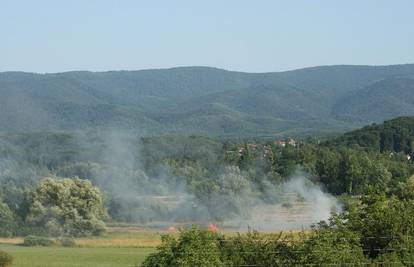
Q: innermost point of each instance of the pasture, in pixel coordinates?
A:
(75, 256)
(123, 249)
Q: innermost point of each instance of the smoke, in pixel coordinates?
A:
(300, 203)
(164, 197)
(321, 204)
(144, 185)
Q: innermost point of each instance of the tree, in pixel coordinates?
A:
(327, 246)
(7, 221)
(70, 207)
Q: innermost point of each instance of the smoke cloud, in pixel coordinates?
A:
(169, 194)
(162, 198)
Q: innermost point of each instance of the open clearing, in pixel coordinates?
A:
(71, 257)
(123, 249)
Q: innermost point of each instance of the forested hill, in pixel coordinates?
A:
(207, 101)
(395, 135)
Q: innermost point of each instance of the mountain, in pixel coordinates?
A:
(385, 99)
(203, 100)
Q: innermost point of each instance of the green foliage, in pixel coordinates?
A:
(383, 223)
(395, 135)
(8, 225)
(259, 249)
(351, 170)
(31, 241)
(6, 260)
(71, 207)
(332, 246)
(193, 247)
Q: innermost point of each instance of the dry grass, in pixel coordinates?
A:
(136, 237)
(118, 243)
(12, 241)
(123, 237)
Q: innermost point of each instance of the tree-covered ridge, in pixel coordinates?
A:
(395, 135)
(382, 100)
(207, 101)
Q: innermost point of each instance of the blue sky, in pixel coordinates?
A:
(244, 35)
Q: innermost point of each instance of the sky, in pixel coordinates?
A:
(242, 35)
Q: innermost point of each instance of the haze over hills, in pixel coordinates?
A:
(203, 100)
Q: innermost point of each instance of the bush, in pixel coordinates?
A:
(193, 247)
(5, 259)
(31, 241)
(256, 249)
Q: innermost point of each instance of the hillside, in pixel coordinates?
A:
(211, 101)
(386, 99)
(394, 135)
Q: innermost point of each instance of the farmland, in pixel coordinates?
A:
(113, 249)
(71, 257)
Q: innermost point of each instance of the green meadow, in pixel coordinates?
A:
(75, 256)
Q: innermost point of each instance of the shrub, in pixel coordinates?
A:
(5, 259)
(193, 247)
(256, 249)
(31, 241)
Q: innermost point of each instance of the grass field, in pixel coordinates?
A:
(76, 256)
(116, 248)
(123, 247)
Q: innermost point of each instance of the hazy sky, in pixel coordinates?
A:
(250, 35)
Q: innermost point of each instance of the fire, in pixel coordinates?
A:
(212, 228)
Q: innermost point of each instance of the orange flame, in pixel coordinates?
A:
(212, 228)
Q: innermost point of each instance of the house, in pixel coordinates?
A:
(280, 143)
(283, 143)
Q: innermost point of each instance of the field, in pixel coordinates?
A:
(114, 249)
(71, 257)
(121, 246)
